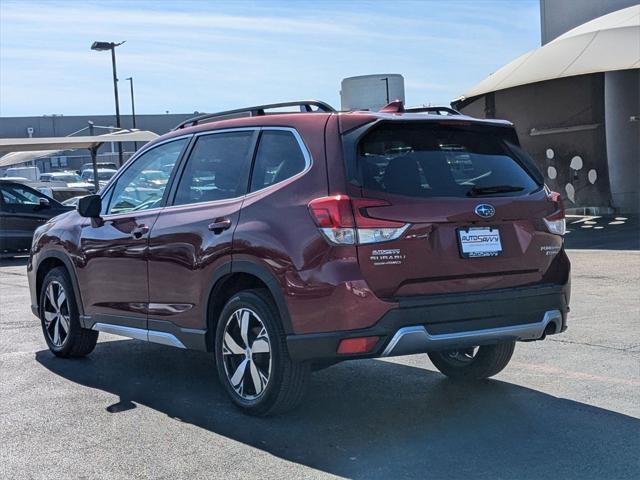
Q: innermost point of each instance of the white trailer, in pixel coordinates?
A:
(371, 92)
(30, 173)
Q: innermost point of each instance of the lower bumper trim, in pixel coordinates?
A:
(443, 322)
(416, 339)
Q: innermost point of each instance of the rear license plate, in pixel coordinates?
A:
(479, 242)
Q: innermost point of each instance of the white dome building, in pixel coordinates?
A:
(576, 104)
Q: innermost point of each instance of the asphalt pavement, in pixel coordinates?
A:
(568, 407)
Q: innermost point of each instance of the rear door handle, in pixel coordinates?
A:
(140, 231)
(219, 225)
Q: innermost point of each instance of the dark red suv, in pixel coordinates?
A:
(288, 241)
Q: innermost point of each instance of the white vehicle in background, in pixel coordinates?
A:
(107, 165)
(104, 175)
(30, 173)
(72, 179)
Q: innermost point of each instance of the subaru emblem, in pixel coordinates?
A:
(485, 210)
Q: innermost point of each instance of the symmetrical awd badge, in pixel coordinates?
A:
(485, 210)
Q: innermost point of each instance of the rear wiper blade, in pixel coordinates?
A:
(475, 191)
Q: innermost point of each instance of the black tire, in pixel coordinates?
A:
(286, 381)
(77, 341)
(486, 362)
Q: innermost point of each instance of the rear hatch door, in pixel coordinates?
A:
(473, 202)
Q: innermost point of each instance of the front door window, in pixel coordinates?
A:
(143, 185)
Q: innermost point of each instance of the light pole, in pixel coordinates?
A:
(133, 110)
(101, 47)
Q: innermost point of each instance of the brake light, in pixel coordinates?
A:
(556, 222)
(329, 212)
(345, 221)
(334, 217)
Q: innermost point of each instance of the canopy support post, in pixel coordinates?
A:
(94, 162)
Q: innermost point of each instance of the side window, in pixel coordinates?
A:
(14, 195)
(279, 157)
(142, 185)
(217, 169)
(106, 200)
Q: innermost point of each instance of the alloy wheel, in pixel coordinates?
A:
(57, 320)
(246, 353)
(463, 356)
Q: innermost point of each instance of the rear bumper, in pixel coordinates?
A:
(443, 322)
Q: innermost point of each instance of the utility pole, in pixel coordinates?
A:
(133, 111)
(102, 46)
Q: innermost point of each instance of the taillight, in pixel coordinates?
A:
(556, 222)
(345, 221)
(334, 217)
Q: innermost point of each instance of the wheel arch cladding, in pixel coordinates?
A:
(53, 260)
(234, 277)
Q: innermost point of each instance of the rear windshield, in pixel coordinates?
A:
(435, 160)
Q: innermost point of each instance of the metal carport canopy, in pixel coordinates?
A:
(44, 146)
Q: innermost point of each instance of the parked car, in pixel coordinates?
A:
(32, 173)
(155, 178)
(288, 242)
(71, 179)
(107, 165)
(104, 175)
(15, 179)
(61, 194)
(73, 201)
(22, 210)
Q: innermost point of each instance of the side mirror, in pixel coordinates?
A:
(90, 206)
(43, 203)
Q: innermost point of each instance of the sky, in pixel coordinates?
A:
(188, 56)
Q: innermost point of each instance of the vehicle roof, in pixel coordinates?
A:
(348, 120)
(15, 179)
(29, 185)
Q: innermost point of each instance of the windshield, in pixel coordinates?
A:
(435, 160)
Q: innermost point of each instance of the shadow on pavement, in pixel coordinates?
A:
(610, 232)
(376, 419)
(13, 261)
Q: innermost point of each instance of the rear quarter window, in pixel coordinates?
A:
(278, 157)
(435, 160)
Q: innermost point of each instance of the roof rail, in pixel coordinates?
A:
(258, 110)
(436, 110)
